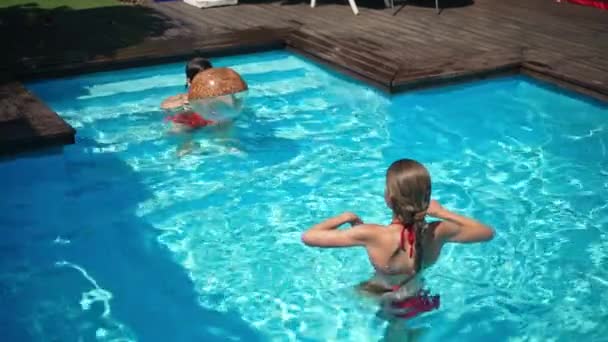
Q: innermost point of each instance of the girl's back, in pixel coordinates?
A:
(400, 251)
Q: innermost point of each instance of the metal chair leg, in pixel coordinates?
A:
(353, 6)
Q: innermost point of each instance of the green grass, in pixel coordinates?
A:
(73, 4)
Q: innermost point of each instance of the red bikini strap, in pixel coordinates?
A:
(402, 241)
(411, 237)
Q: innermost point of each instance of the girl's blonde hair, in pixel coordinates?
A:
(408, 187)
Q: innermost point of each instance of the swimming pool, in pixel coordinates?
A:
(119, 238)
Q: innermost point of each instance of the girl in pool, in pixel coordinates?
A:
(400, 251)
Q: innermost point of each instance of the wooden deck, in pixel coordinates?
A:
(411, 45)
(395, 49)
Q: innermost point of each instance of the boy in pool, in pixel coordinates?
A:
(184, 119)
(401, 251)
(208, 88)
(205, 85)
(179, 102)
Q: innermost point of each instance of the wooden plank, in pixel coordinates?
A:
(576, 75)
(371, 67)
(36, 126)
(369, 57)
(601, 97)
(424, 73)
(9, 111)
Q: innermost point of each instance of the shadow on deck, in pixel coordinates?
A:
(30, 33)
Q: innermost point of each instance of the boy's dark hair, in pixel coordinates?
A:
(196, 65)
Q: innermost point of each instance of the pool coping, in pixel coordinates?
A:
(389, 75)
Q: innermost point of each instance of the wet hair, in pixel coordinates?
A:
(408, 187)
(196, 65)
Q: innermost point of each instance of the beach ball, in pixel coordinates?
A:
(217, 94)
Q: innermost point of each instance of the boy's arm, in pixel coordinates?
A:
(174, 102)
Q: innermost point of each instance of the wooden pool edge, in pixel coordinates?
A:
(391, 76)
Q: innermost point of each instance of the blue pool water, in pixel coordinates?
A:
(120, 237)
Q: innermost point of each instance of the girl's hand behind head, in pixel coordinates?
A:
(434, 209)
(351, 218)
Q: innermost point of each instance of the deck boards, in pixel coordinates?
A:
(394, 49)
